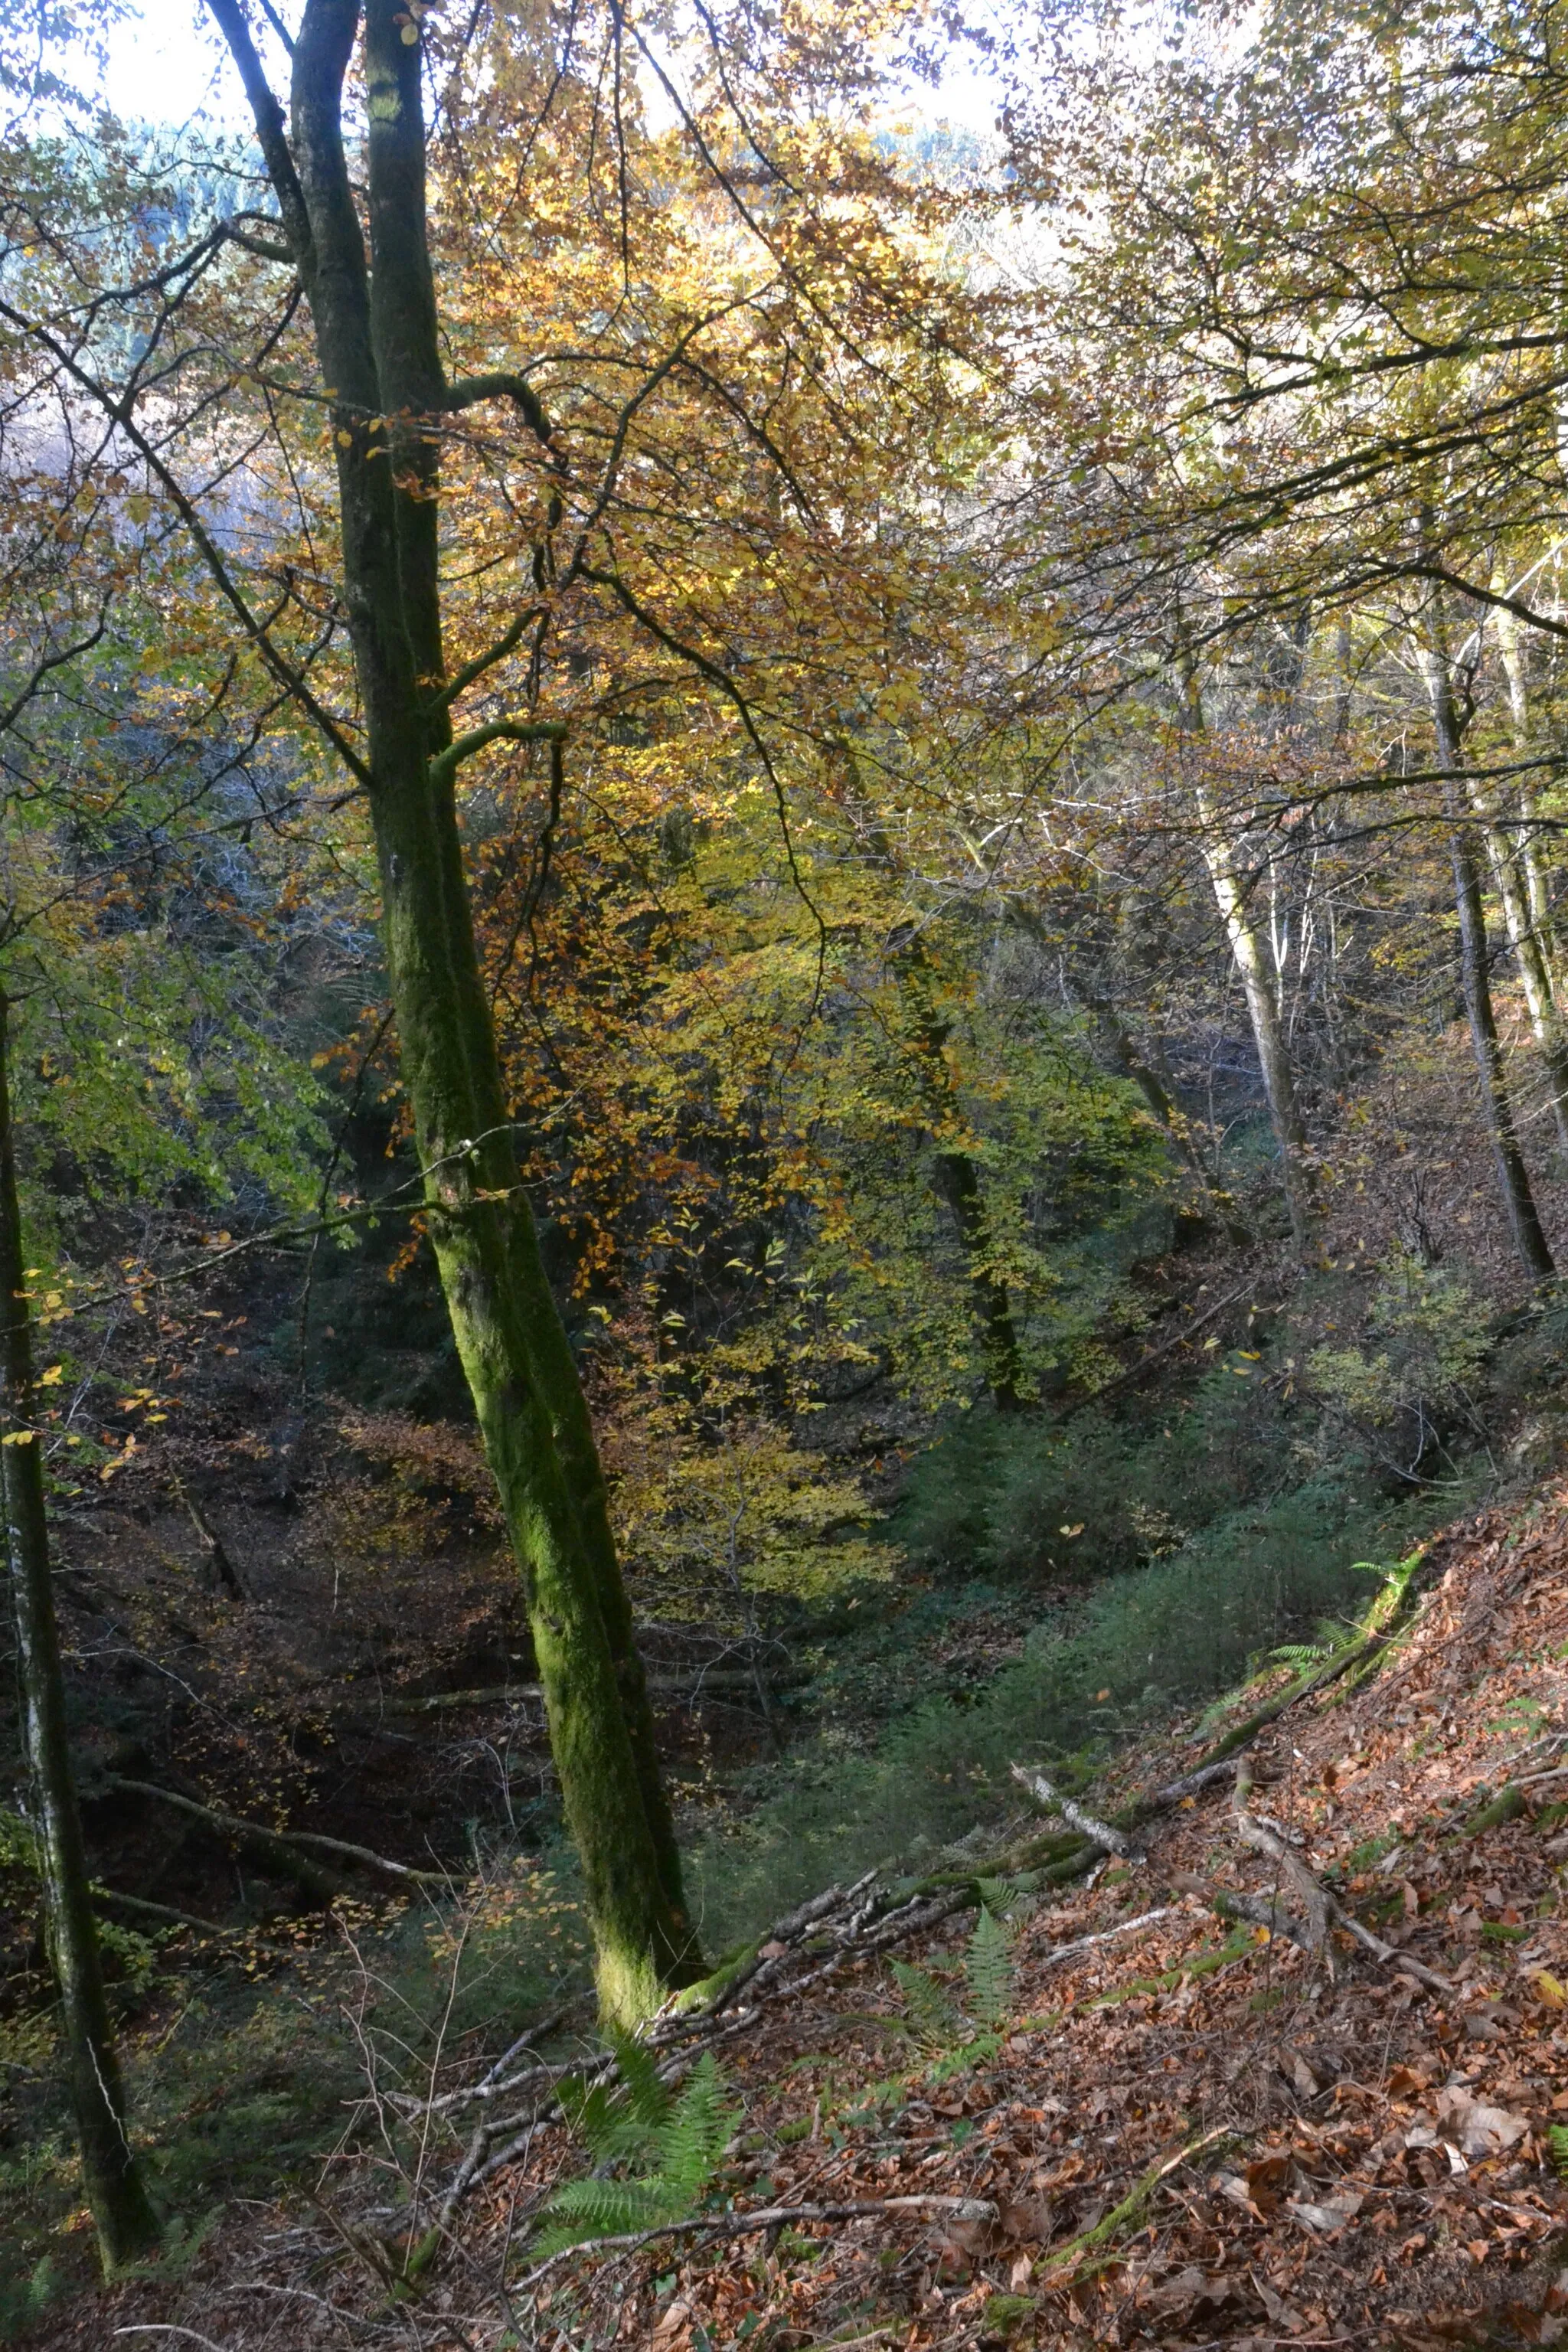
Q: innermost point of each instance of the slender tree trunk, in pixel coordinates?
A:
(377, 345)
(1262, 1002)
(121, 2213)
(1527, 839)
(1514, 1178)
(1343, 682)
(1545, 1026)
(957, 1180)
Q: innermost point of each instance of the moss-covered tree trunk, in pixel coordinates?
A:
(377, 331)
(121, 2213)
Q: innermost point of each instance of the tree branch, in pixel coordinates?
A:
(445, 765)
(501, 383)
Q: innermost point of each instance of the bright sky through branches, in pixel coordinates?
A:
(165, 66)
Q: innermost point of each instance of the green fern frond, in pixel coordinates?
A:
(933, 2017)
(621, 2123)
(606, 2209)
(692, 2143)
(680, 2141)
(646, 2099)
(1298, 1654)
(988, 1966)
(1557, 2143)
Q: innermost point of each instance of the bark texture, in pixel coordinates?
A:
(1262, 1002)
(377, 331)
(121, 2213)
(1496, 1107)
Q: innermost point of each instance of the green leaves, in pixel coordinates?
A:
(934, 2018)
(988, 1967)
(675, 2143)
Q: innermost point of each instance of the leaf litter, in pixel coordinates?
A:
(1194, 2132)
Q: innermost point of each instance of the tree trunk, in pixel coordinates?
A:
(957, 1181)
(377, 345)
(1545, 1026)
(1534, 878)
(1262, 1002)
(121, 2210)
(1514, 1178)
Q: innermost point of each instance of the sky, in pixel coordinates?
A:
(165, 65)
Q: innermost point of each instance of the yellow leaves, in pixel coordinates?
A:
(117, 1462)
(1549, 1988)
(18, 1437)
(53, 1377)
(139, 507)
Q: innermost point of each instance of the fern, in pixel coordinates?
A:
(679, 2140)
(1557, 2143)
(699, 2129)
(932, 2018)
(1300, 1655)
(988, 1966)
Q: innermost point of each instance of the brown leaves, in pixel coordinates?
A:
(1029, 2220)
(1478, 2130)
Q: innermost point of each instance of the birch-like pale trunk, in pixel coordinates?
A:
(1259, 988)
(1526, 839)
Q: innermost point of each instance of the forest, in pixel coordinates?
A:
(783, 1112)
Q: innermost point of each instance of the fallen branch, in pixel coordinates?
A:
(1323, 1910)
(768, 2216)
(1254, 1910)
(1097, 1832)
(1305, 1686)
(1131, 2207)
(1191, 1784)
(687, 1686)
(1266, 1841)
(1140, 1371)
(683, 2033)
(285, 1846)
(1123, 1928)
(166, 1917)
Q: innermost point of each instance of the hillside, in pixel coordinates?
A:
(1138, 2120)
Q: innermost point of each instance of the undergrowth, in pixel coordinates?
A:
(1169, 1634)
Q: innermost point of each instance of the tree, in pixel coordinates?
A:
(377, 339)
(122, 2214)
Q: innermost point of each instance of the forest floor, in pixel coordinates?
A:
(1184, 2133)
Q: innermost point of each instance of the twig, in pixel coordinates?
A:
(1131, 2205)
(168, 2327)
(769, 2217)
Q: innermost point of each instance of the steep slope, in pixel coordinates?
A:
(1125, 2121)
